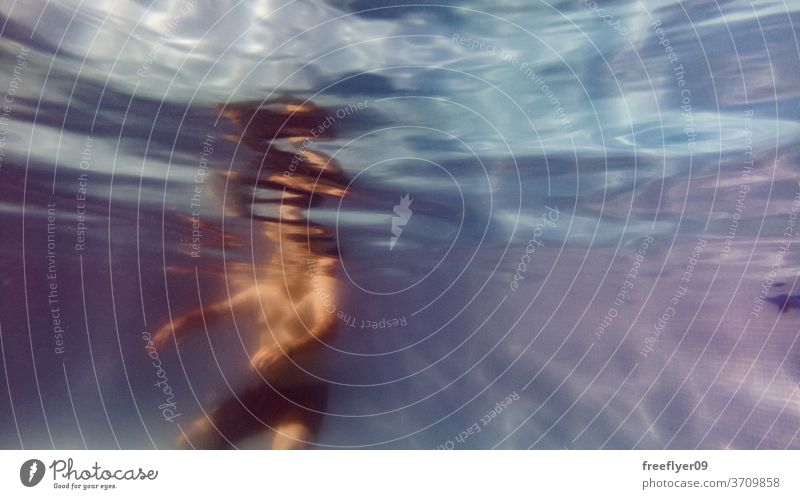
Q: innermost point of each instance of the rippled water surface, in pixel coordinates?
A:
(597, 248)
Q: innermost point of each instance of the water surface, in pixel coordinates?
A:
(601, 254)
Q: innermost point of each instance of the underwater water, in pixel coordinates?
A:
(553, 224)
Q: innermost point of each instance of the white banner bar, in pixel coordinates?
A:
(389, 474)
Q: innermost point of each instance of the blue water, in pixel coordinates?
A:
(602, 250)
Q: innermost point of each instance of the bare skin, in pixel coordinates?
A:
(292, 303)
